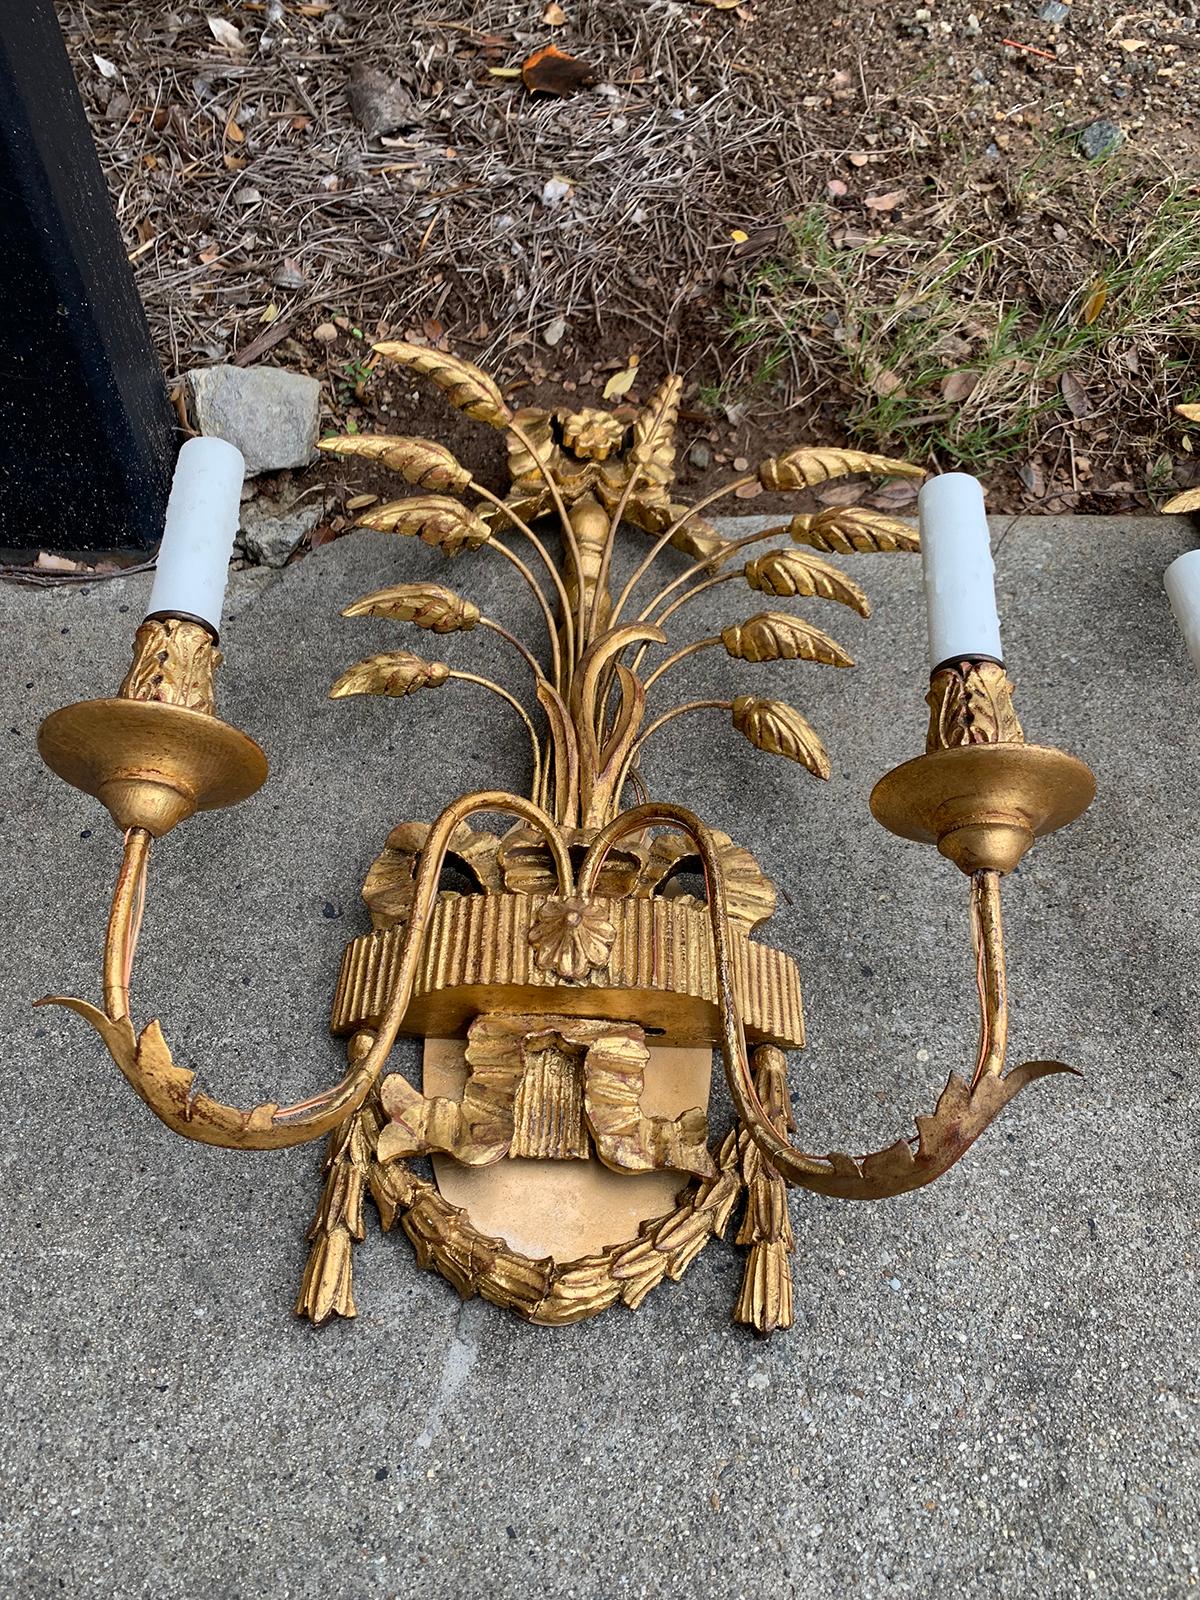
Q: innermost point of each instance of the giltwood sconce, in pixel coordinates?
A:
(572, 983)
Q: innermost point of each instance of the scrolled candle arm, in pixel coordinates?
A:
(963, 1111)
(168, 1089)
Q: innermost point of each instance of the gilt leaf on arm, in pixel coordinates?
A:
(792, 574)
(776, 636)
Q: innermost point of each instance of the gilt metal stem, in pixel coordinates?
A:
(564, 517)
(669, 533)
(122, 922)
(539, 596)
(168, 1089)
(534, 741)
(987, 938)
(547, 560)
(682, 654)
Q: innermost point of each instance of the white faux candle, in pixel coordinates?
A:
(202, 522)
(1182, 580)
(960, 595)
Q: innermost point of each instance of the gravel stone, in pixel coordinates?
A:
(1100, 138)
(269, 414)
(269, 534)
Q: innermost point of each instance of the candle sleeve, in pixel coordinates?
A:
(203, 512)
(1182, 580)
(960, 595)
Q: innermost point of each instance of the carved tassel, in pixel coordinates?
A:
(326, 1289)
(765, 1301)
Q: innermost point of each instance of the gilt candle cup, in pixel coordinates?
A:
(959, 575)
(202, 522)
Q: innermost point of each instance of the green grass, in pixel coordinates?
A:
(878, 328)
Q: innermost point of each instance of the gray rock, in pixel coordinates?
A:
(1054, 11)
(271, 415)
(381, 104)
(1100, 138)
(700, 455)
(271, 531)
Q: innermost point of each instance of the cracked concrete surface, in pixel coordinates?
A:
(991, 1389)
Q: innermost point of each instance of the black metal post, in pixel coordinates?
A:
(87, 436)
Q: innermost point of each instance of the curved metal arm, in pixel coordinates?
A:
(167, 1088)
(963, 1111)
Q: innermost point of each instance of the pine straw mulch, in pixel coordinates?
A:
(925, 159)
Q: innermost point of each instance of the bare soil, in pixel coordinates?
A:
(554, 239)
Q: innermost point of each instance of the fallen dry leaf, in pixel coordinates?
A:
(891, 496)
(1034, 479)
(738, 235)
(225, 33)
(288, 275)
(621, 382)
(1094, 304)
(748, 491)
(884, 202)
(1076, 396)
(956, 386)
(552, 71)
(50, 563)
(106, 68)
(841, 494)
(359, 502)
(885, 382)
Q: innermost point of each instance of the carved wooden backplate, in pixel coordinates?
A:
(566, 1208)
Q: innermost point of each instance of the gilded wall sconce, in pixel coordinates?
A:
(571, 977)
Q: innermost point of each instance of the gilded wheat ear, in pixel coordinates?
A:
(394, 673)
(427, 605)
(438, 521)
(803, 468)
(470, 390)
(793, 574)
(420, 462)
(852, 530)
(775, 636)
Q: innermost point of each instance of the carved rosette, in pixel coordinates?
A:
(174, 663)
(571, 937)
(971, 703)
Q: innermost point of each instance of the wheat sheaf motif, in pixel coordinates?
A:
(577, 479)
(589, 473)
